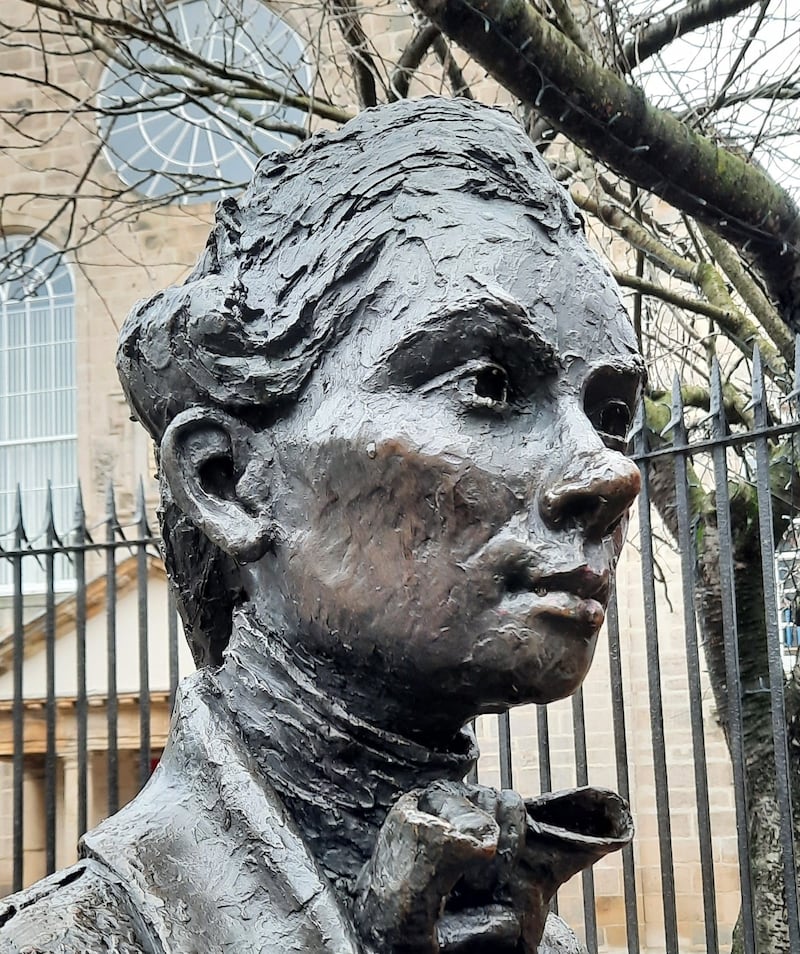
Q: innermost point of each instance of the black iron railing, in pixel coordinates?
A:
(37, 606)
(693, 454)
(704, 459)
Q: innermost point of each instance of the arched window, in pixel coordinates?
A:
(164, 138)
(38, 438)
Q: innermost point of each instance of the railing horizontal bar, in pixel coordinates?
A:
(79, 548)
(729, 440)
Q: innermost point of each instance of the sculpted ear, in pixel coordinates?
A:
(219, 481)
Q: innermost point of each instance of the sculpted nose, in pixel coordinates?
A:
(594, 495)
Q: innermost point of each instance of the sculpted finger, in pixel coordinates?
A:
(451, 802)
(417, 860)
(512, 819)
(508, 809)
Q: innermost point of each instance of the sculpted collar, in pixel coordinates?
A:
(338, 774)
(207, 853)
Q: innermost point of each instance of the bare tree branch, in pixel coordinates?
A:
(783, 89)
(733, 72)
(751, 294)
(683, 302)
(427, 37)
(568, 24)
(615, 122)
(358, 55)
(85, 20)
(411, 58)
(741, 329)
(458, 85)
(653, 36)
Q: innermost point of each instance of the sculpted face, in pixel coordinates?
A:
(451, 489)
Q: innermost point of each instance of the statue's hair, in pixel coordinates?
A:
(284, 269)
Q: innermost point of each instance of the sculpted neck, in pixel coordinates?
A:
(337, 774)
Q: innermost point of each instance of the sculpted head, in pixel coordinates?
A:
(390, 404)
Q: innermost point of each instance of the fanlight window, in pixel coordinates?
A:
(165, 139)
(38, 440)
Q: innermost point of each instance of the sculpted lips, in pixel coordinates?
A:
(578, 596)
(582, 581)
(572, 613)
(575, 597)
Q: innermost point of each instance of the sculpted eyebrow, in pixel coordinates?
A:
(497, 328)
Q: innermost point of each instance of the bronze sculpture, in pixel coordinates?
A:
(390, 404)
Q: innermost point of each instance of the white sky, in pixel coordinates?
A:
(693, 70)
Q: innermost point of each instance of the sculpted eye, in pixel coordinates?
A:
(484, 385)
(609, 399)
(479, 384)
(492, 383)
(612, 421)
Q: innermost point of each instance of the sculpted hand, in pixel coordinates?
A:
(447, 875)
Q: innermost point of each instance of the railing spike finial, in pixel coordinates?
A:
(140, 516)
(758, 375)
(19, 522)
(49, 515)
(757, 388)
(79, 512)
(676, 421)
(636, 435)
(716, 409)
(677, 397)
(716, 387)
(111, 504)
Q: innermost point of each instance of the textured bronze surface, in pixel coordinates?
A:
(390, 404)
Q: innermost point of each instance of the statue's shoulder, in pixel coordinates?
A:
(74, 911)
